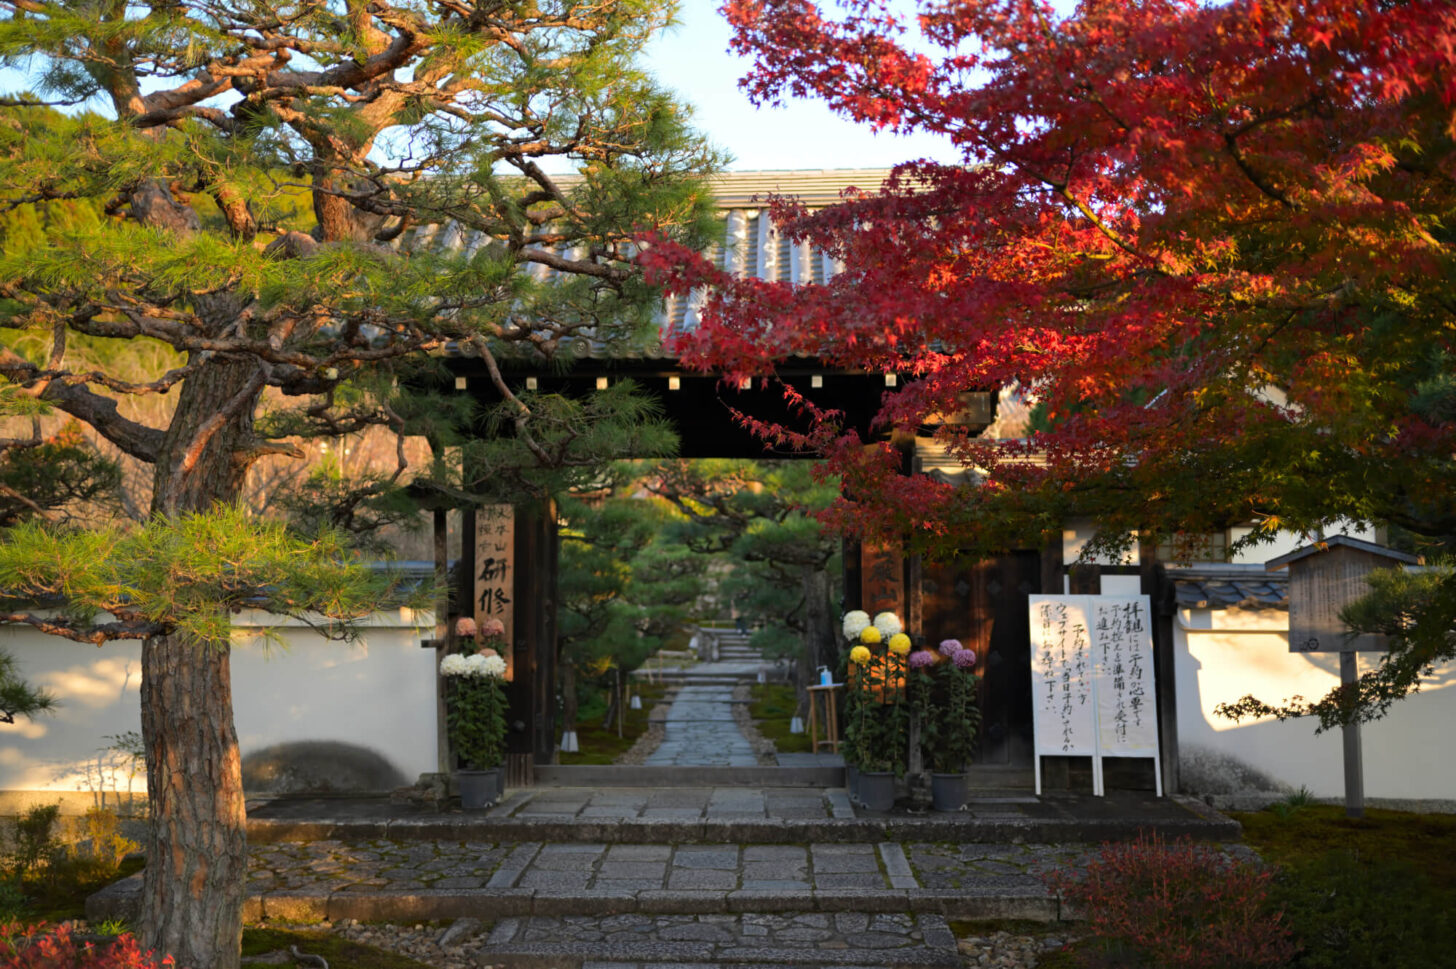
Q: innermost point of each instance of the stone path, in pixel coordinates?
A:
(701, 732)
(700, 729)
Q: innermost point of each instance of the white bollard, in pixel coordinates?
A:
(569, 743)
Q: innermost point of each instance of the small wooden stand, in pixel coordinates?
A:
(831, 717)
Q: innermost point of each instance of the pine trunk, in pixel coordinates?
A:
(193, 885)
(192, 888)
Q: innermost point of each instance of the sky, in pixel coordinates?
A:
(693, 60)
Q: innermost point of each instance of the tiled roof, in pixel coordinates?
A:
(751, 243)
(1230, 587)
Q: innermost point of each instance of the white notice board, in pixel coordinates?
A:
(1092, 680)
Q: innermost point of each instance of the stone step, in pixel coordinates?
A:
(122, 899)
(956, 829)
(639, 776)
(761, 940)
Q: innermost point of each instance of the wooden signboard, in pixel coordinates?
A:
(1127, 724)
(1319, 587)
(1324, 577)
(1092, 680)
(495, 573)
(882, 579)
(1064, 717)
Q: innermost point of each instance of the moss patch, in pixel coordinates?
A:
(338, 952)
(603, 746)
(1293, 836)
(54, 896)
(772, 706)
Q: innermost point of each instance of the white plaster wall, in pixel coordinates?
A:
(378, 693)
(1078, 532)
(1221, 655)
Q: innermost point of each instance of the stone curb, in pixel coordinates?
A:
(122, 900)
(546, 955)
(1199, 826)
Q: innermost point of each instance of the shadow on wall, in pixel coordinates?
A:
(319, 767)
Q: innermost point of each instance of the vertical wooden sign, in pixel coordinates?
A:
(1126, 721)
(1092, 680)
(1063, 711)
(495, 573)
(882, 579)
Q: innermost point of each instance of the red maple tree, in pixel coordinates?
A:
(1213, 242)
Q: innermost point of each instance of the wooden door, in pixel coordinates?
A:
(984, 605)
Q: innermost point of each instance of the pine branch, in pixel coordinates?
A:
(138, 440)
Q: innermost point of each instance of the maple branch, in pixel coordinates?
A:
(1260, 182)
(1097, 223)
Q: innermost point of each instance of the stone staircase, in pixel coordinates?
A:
(606, 878)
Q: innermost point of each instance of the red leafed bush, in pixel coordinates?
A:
(45, 947)
(1180, 906)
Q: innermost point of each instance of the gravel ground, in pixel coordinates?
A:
(649, 741)
(1002, 950)
(763, 748)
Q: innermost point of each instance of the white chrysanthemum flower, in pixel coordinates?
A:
(889, 624)
(475, 665)
(494, 666)
(453, 665)
(855, 623)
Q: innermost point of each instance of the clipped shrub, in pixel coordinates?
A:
(1350, 913)
(1151, 905)
(36, 845)
(45, 947)
(12, 899)
(108, 847)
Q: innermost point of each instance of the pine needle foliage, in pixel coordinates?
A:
(184, 575)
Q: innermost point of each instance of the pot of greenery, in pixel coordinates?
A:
(878, 716)
(944, 686)
(475, 717)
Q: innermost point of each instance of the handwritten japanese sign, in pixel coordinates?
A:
(1122, 634)
(1063, 712)
(495, 572)
(1092, 679)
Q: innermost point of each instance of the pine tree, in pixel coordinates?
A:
(282, 186)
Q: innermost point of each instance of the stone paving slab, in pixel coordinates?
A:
(789, 938)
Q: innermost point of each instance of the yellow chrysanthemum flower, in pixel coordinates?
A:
(900, 644)
(870, 635)
(860, 655)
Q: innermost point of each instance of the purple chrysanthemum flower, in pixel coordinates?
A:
(921, 658)
(965, 658)
(949, 647)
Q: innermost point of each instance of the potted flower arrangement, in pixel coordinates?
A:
(875, 706)
(943, 687)
(475, 716)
